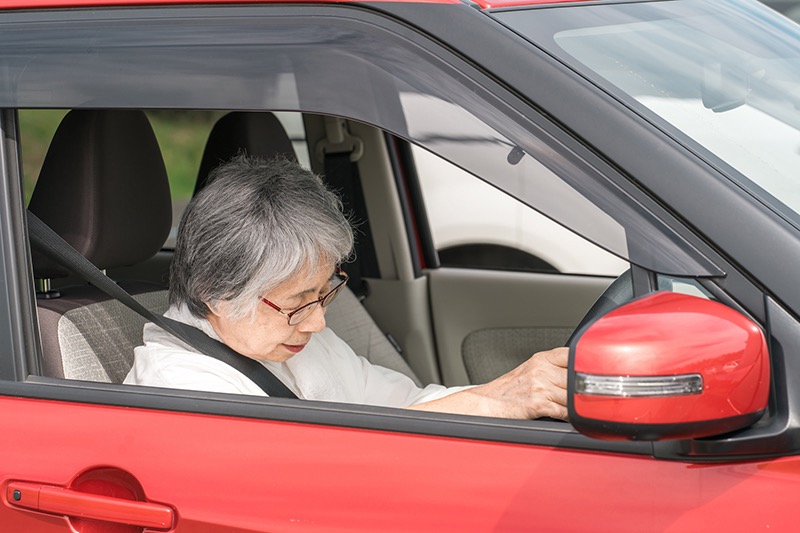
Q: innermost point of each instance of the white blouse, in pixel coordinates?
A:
(326, 370)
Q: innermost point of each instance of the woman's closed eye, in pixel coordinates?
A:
(326, 289)
(321, 294)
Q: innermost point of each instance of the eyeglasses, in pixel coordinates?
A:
(301, 313)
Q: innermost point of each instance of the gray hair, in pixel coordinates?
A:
(255, 225)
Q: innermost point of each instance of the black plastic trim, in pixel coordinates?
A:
(420, 240)
(654, 432)
(17, 332)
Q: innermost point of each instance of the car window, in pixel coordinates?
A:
(684, 286)
(371, 75)
(483, 228)
(181, 136)
(476, 225)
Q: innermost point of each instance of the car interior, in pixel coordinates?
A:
(104, 187)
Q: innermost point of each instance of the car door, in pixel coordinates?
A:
(191, 464)
(89, 456)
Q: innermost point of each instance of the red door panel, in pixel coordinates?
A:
(243, 475)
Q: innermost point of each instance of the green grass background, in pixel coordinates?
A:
(181, 136)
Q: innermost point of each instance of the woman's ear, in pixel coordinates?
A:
(214, 309)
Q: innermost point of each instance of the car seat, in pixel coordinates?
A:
(103, 187)
(261, 134)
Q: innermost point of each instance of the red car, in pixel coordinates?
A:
(661, 137)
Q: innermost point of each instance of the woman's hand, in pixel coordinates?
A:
(536, 388)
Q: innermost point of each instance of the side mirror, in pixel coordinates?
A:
(668, 366)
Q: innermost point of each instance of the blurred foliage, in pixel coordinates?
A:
(36, 130)
(181, 135)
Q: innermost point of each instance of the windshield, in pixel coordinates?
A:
(722, 76)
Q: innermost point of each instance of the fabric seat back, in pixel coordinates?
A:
(103, 187)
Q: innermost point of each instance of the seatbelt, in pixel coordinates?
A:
(48, 242)
(342, 175)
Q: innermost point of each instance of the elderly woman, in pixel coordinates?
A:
(255, 266)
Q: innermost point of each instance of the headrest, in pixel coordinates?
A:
(255, 133)
(103, 187)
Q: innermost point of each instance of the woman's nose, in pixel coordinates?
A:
(315, 321)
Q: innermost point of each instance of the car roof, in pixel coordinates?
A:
(45, 4)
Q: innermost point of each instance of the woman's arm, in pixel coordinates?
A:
(536, 388)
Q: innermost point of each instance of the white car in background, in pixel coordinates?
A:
(476, 225)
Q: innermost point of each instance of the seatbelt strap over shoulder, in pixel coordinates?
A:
(48, 242)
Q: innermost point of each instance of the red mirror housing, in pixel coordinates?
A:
(668, 365)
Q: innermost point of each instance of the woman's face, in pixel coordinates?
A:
(269, 337)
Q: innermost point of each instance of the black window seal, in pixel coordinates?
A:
(420, 240)
(19, 332)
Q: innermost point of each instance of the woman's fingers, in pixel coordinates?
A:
(547, 373)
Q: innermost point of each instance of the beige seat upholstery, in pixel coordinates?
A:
(352, 323)
(93, 341)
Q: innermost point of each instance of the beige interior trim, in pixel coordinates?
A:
(383, 204)
(400, 308)
(467, 300)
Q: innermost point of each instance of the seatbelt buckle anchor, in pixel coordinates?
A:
(338, 140)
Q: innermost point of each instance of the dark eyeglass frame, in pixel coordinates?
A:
(304, 311)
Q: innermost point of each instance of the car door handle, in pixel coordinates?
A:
(57, 500)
